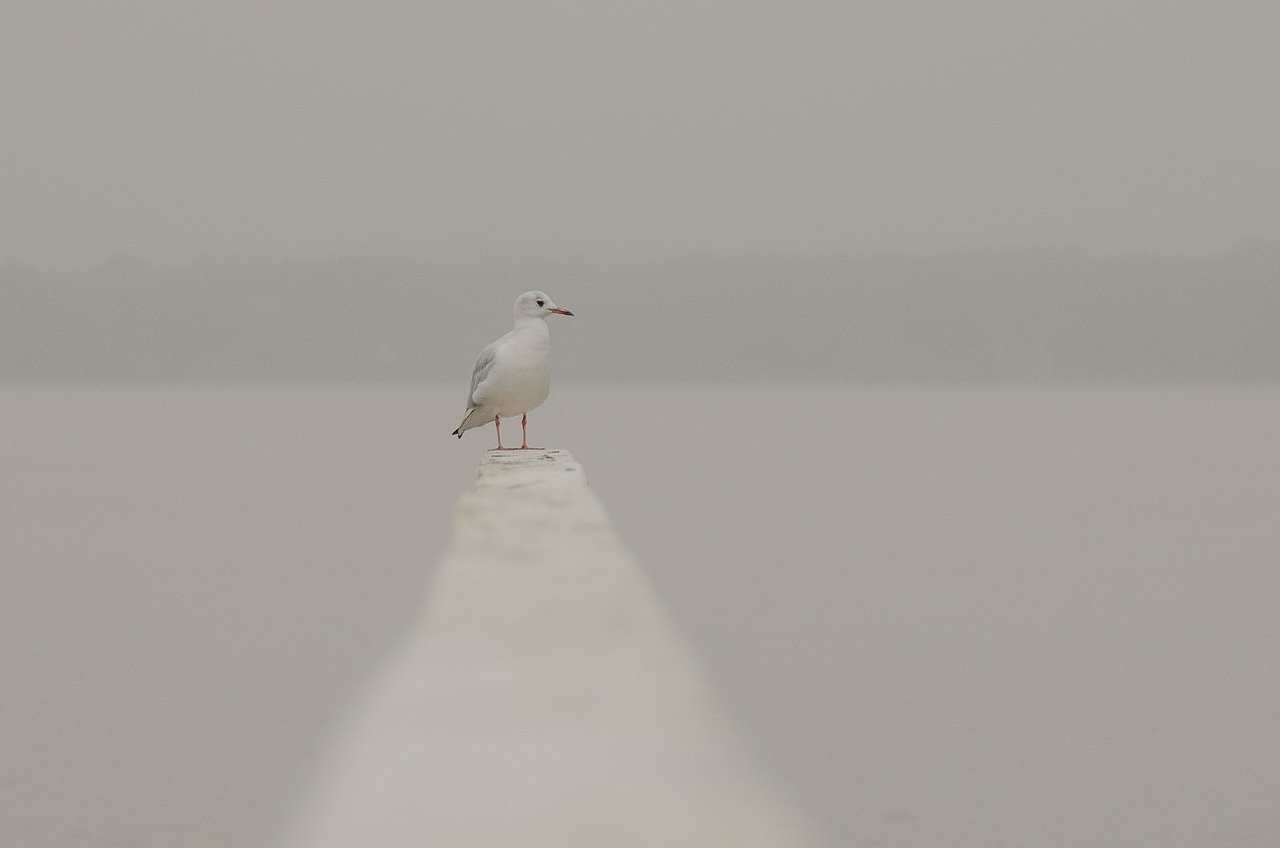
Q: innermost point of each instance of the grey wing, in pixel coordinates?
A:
(483, 365)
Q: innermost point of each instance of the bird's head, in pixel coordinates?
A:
(536, 304)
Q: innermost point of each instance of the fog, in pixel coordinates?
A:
(952, 329)
(941, 615)
(173, 132)
(1033, 315)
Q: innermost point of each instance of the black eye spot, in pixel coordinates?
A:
(542, 303)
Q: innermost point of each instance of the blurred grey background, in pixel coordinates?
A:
(1035, 315)
(1037, 611)
(730, 189)
(301, 130)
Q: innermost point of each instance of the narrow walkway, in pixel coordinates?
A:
(543, 701)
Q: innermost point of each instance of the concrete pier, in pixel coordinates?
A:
(543, 700)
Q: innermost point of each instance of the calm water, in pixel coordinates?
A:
(961, 616)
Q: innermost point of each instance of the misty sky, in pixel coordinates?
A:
(174, 131)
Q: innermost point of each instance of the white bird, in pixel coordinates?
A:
(513, 374)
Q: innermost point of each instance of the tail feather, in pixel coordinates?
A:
(475, 418)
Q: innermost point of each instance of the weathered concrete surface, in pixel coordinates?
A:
(543, 700)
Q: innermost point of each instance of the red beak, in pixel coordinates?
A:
(563, 312)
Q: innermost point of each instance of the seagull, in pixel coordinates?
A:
(513, 374)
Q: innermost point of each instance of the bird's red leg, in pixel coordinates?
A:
(524, 434)
(497, 425)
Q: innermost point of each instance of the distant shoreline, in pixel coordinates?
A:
(1041, 315)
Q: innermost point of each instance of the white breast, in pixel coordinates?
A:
(520, 378)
